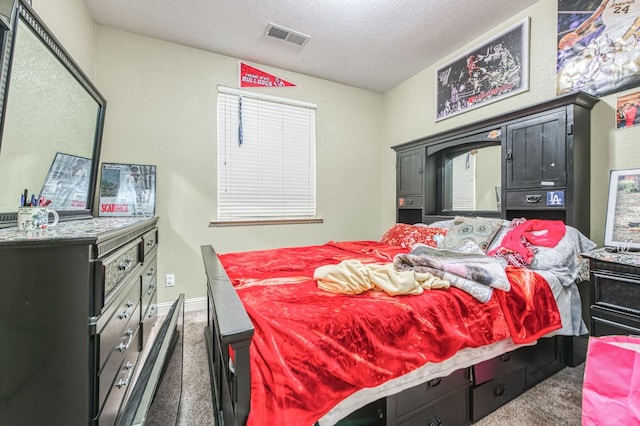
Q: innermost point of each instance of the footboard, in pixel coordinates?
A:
(228, 327)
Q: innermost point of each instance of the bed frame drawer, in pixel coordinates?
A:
(495, 393)
(451, 410)
(417, 397)
(494, 367)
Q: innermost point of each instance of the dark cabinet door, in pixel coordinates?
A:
(410, 172)
(536, 152)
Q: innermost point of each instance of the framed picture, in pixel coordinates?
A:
(495, 70)
(597, 50)
(622, 226)
(127, 190)
(67, 183)
(627, 110)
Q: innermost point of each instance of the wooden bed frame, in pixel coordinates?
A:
(480, 388)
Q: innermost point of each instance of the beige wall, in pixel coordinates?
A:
(71, 23)
(161, 110)
(409, 111)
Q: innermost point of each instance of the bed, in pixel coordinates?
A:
(311, 335)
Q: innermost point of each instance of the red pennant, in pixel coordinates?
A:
(253, 77)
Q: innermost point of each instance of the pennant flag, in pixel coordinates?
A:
(253, 77)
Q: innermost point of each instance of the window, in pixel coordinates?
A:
(266, 157)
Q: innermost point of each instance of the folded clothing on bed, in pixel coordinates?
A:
(352, 277)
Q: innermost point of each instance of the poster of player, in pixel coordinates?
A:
(496, 70)
(66, 186)
(127, 190)
(598, 49)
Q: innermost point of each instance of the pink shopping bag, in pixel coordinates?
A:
(611, 389)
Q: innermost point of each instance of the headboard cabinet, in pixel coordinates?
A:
(545, 164)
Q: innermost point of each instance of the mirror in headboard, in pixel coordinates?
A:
(472, 178)
(51, 122)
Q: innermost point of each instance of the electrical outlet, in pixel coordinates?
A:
(169, 280)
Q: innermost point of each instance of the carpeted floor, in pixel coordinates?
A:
(556, 401)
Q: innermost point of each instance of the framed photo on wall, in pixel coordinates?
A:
(622, 226)
(598, 48)
(127, 190)
(492, 71)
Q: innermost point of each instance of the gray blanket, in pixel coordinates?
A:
(477, 274)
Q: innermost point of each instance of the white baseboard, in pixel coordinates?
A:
(190, 305)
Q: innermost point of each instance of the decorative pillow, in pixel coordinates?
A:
(479, 230)
(407, 236)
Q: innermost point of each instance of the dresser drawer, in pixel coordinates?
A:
(118, 389)
(419, 396)
(118, 315)
(552, 198)
(495, 393)
(617, 291)
(149, 282)
(148, 320)
(410, 202)
(128, 342)
(606, 322)
(449, 411)
(112, 270)
(149, 243)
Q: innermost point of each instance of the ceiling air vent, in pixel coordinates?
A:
(285, 34)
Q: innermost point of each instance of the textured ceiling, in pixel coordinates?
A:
(371, 44)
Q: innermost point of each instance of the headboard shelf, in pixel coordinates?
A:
(538, 166)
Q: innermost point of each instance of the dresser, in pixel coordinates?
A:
(77, 303)
(615, 292)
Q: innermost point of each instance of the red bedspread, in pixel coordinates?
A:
(312, 348)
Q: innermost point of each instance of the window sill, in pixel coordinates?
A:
(218, 223)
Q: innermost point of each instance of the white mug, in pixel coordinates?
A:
(36, 218)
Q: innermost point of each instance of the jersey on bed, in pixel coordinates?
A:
(314, 348)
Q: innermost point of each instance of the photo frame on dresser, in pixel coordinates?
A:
(127, 190)
(66, 186)
(622, 225)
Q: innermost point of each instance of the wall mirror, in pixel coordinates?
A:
(51, 123)
(471, 179)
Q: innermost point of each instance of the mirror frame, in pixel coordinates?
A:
(24, 12)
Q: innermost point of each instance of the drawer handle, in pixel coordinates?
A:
(125, 264)
(125, 314)
(150, 243)
(152, 311)
(499, 390)
(122, 347)
(151, 289)
(409, 201)
(436, 421)
(151, 272)
(505, 357)
(533, 199)
(435, 382)
(124, 382)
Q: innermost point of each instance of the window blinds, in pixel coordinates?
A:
(266, 157)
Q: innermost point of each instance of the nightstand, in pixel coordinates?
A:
(614, 292)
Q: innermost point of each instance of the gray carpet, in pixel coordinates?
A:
(556, 401)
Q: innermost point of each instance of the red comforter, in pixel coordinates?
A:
(312, 348)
